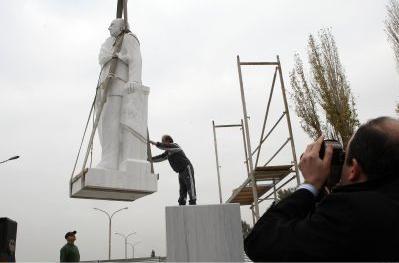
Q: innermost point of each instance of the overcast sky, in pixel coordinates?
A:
(48, 74)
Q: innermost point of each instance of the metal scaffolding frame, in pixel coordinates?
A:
(216, 151)
(249, 192)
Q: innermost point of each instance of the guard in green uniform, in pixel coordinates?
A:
(69, 252)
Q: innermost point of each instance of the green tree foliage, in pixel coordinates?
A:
(305, 100)
(246, 228)
(392, 27)
(323, 99)
(392, 30)
(283, 193)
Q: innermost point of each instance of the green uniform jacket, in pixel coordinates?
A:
(69, 253)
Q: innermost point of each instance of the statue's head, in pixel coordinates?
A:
(117, 26)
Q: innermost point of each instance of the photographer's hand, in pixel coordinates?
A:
(315, 170)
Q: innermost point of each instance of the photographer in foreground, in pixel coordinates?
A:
(357, 221)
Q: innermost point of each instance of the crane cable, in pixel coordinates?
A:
(87, 124)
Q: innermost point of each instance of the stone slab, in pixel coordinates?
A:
(204, 233)
(135, 182)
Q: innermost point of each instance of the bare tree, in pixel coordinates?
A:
(305, 100)
(392, 30)
(323, 100)
(392, 27)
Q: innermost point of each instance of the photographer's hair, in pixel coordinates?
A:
(376, 148)
(167, 138)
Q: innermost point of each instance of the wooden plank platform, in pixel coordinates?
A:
(278, 172)
(245, 197)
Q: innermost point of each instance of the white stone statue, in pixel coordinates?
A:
(123, 123)
(124, 173)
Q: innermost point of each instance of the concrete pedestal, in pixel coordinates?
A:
(204, 233)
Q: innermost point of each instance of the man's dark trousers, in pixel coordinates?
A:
(187, 185)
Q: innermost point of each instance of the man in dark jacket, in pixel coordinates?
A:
(69, 252)
(181, 165)
(358, 221)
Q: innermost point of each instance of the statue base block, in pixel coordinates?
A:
(204, 233)
(133, 182)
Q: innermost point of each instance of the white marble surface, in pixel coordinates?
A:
(123, 123)
(134, 182)
(123, 172)
(204, 233)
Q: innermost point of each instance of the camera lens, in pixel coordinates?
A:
(337, 161)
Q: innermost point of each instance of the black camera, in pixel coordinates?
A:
(337, 161)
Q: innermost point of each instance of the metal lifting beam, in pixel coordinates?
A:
(122, 8)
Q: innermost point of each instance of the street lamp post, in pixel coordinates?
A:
(133, 245)
(10, 159)
(109, 226)
(125, 237)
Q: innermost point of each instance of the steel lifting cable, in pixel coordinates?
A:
(122, 5)
(118, 44)
(110, 75)
(87, 123)
(94, 109)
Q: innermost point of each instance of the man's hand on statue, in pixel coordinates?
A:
(316, 170)
(129, 87)
(152, 142)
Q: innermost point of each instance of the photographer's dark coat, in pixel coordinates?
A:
(358, 222)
